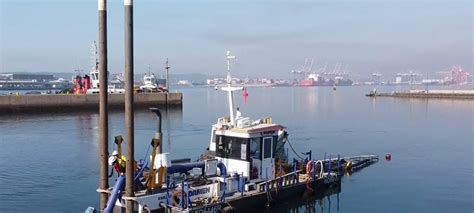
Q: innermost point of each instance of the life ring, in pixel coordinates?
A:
(309, 167)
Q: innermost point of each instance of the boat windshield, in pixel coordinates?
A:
(232, 147)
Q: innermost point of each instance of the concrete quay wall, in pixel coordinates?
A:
(62, 102)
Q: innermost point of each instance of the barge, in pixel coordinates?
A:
(246, 166)
(437, 94)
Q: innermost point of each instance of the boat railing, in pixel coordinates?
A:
(281, 181)
(362, 157)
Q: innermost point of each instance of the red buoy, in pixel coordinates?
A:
(245, 94)
(388, 157)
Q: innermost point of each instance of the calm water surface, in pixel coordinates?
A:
(48, 162)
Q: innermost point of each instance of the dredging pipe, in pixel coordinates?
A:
(129, 118)
(184, 167)
(103, 113)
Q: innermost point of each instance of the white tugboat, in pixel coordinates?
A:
(94, 76)
(246, 167)
(149, 83)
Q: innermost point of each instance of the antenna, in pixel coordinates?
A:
(230, 89)
(229, 57)
(94, 58)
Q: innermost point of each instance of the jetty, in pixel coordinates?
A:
(88, 102)
(440, 94)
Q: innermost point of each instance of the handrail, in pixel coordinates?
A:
(285, 180)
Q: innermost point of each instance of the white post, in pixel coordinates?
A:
(229, 86)
(231, 106)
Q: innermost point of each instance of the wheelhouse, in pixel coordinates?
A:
(251, 151)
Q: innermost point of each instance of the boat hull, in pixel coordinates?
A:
(307, 83)
(260, 200)
(293, 192)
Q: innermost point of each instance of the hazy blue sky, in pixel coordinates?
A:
(268, 37)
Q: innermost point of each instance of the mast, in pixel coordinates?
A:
(167, 67)
(230, 89)
(94, 58)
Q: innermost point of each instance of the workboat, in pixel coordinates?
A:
(94, 87)
(372, 93)
(90, 84)
(149, 83)
(246, 166)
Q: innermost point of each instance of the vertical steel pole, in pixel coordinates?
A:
(167, 76)
(129, 122)
(167, 67)
(103, 113)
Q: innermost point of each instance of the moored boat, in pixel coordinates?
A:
(246, 167)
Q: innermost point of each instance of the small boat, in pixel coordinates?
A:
(149, 83)
(372, 93)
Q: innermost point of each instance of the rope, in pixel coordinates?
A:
(288, 140)
(144, 164)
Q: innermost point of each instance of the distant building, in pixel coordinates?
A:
(18, 81)
(408, 78)
(27, 77)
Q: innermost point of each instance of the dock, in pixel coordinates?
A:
(87, 102)
(436, 94)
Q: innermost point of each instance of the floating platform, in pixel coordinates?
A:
(440, 94)
(63, 103)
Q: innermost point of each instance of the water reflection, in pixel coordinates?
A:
(321, 202)
(87, 126)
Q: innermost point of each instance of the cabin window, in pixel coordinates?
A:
(255, 147)
(232, 147)
(267, 145)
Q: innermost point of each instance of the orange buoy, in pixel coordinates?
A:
(388, 157)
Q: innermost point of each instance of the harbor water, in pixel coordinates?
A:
(48, 162)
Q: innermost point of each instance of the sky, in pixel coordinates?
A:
(269, 37)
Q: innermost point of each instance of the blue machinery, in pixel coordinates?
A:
(115, 194)
(179, 168)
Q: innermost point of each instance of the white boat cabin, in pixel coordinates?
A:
(249, 149)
